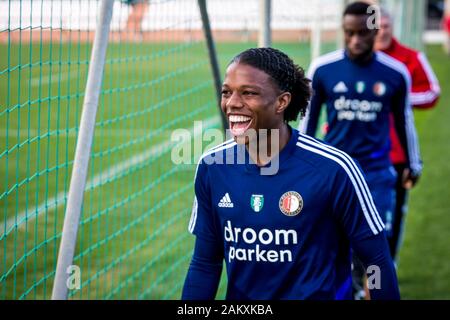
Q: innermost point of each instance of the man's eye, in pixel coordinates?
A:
(250, 93)
(225, 92)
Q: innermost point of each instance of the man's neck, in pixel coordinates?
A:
(273, 143)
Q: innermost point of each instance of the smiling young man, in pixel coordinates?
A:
(286, 235)
(361, 89)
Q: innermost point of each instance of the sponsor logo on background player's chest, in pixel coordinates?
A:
(360, 86)
(353, 109)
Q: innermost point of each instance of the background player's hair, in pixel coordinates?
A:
(386, 14)
(286, 74)
(358, 8)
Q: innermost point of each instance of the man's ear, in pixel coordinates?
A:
(283, 101)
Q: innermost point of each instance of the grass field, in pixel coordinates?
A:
(133, 240)
(424, 265)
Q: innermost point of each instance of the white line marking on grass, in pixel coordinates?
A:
(56, 201)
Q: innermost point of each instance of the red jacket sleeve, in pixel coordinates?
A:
(425, 86)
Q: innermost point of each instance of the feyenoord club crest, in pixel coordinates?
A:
(379, 89)
(291, 203)
(257, 202)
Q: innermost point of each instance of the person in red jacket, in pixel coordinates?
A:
(424, 95)
(446, 28)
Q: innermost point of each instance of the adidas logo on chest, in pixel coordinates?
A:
(226, 202)
(340, 87)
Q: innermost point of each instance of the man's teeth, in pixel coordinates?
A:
(234, 118)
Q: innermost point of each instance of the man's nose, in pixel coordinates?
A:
(235, 101)
(355, 40)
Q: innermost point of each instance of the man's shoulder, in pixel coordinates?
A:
(326, 60)
(404, 54)
(321, 155)
(218, 153)
(404, 50)
(391, 65)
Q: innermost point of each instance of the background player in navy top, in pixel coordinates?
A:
(360, 88)
(285, 235)
(425, 92)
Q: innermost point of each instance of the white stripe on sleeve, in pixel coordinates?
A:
(358, 181)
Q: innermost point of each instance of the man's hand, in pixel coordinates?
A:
(409, 179)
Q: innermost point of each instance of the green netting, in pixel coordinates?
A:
(133, 241)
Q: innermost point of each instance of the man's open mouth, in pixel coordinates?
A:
(239, 124)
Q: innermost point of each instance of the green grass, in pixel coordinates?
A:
(133, 241)
(132, 237)
(424, 265)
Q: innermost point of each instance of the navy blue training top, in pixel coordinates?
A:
(359, 98)
(285, 235)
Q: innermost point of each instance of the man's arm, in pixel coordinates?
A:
(204, 272)
(406, 130)
(376, 258)
(355, 211)
(425, 90)
(203, 276)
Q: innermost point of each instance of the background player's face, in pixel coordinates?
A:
(384, 36)
(251, 100)
(359, 39)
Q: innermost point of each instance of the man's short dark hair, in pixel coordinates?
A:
(358, 8)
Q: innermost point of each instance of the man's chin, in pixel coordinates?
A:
(356, 54)
(244, 136)
(241, 139)
(360, 55)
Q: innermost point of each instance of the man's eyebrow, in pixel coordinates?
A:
(250, 86)
(244, 86)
